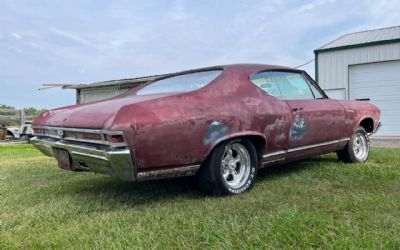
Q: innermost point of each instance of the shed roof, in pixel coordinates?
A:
(368, 37)
(135, 80)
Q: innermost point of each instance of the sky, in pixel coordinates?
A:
(82, 41)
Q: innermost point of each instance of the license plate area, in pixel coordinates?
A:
(63, 158)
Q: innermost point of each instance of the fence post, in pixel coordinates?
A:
(22, 117)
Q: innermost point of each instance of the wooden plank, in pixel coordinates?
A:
(22, 117)
(17, 117)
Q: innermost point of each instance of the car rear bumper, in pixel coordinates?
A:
(100, 159)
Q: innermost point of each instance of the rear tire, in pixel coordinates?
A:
(231, 168)
(357, 149)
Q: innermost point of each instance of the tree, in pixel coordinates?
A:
(3, 106)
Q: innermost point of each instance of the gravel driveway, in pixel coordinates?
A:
(388, 142)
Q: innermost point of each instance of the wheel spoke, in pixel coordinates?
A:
(237, 159)
(225, 175)
(234, 172)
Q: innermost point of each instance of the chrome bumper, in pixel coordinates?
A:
(107, 160)
(376, 129)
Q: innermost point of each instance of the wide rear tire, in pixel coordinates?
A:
(357, 149)
(231, 168)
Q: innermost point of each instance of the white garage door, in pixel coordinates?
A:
(380, 82)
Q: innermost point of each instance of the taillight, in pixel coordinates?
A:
(115, 138)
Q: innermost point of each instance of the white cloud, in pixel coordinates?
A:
(16, 35)
(70, 36)
(314, 4)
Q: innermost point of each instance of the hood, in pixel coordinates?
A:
(94, 115)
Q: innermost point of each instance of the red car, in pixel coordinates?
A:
(221, 123)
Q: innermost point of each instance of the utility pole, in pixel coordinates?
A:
(21, 117)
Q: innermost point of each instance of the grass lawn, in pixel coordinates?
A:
(317, 203)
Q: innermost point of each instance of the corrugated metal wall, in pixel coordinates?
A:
(333, 66)
(95, 94)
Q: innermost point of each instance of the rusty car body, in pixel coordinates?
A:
(222, 123)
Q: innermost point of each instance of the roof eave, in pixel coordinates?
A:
(353, 46)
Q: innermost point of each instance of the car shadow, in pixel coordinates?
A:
(112, 191)
(276, 171)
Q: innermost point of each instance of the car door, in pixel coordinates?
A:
(274, 111)
(315, 118)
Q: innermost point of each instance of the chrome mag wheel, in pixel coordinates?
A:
(236, 165)
(360, 146)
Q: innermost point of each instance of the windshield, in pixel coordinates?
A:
(180, 83)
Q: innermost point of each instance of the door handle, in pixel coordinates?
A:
(297, 109)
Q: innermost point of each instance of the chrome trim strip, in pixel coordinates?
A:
(274, 153)
(167, 173)
(90, 131)
(304, 147)
(272, 161)
(376, 129)
(86, 130)
(89, 155)
(317, 145)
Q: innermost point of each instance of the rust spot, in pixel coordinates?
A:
(299, 128)
(215, 130)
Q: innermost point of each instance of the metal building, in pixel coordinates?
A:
(103, 90)
(364, 65)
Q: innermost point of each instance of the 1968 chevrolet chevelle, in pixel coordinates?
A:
(219, 123)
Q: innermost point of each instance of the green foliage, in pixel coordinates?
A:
(29, 113)
(317, 203)
(33, 111)
(8, 122)
(3, 106)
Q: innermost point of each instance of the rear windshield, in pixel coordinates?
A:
(180, 83)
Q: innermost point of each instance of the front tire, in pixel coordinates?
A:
(230, 169)
(357, 149)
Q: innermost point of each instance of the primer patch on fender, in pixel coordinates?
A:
(299, 128)
(215, 131)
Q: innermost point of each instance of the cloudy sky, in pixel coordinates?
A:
(77, 41)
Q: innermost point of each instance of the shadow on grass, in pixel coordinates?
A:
(279, 170)
(111, 191)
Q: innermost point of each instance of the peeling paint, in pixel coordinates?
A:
(299, 128)
(215, 131)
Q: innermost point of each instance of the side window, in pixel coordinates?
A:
(286, 85)
(265, 82)
(316, 92)
(293, 86)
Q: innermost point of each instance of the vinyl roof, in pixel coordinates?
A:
(364, 37)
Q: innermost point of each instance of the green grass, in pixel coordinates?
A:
(317, 203)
